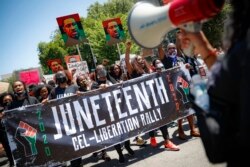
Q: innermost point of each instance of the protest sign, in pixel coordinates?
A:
(72, 58)
(30, 76)
(71, 29)
(78, 68)
(113, 30)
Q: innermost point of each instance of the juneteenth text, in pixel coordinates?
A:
(122, 107)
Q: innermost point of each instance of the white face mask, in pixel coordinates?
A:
(174, 52)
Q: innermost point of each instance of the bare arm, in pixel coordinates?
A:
(161, 52)
(127, 57)
(201, 44)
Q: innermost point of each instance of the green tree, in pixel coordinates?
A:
(95, 34)
(51, 50)
(93, 28)
(214, 28)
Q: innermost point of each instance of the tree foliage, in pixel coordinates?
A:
(92, 25)
(51, 50)
(214, 28)
(93, 28)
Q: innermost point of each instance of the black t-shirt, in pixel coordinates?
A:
(229, 93)
(58, 92)
(170, 62)
(194, 63)
(29, 100)
(135, 74)
(24, 102)
(167, 62)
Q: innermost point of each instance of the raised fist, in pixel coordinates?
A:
(26, 136)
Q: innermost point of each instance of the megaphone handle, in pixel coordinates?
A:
(191, 27)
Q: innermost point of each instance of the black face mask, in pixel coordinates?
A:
(61, 80)
(20, 94)
(6, 104)
(1, 109)
(101, 82)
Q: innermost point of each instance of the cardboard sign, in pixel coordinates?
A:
(78, 68)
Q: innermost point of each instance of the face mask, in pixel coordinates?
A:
(1, 109)
(101, 73)
(6, 104)
(20, 94)
(174, 53)
(61, 80)
(101, 82)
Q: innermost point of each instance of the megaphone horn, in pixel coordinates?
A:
(148, 24)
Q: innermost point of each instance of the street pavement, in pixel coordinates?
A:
(191, 154)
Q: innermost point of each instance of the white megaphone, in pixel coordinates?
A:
(148, 24)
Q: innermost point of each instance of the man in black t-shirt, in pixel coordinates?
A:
(64, 90)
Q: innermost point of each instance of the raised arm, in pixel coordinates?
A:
(161, 52)
(127, 57)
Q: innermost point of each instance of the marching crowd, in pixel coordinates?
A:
(64, 85)
(226, 132)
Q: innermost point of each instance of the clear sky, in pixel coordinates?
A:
(25, 23)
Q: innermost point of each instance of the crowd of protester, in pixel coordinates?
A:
(104, 75)
(225, 124)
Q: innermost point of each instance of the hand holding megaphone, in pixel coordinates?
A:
(148, 24)
(201, 44)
